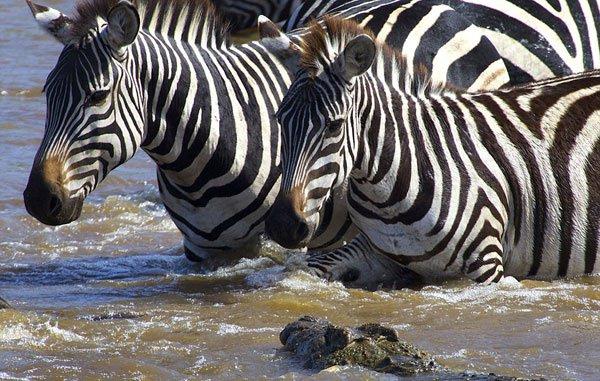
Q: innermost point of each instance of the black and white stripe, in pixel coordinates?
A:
(537, 39)
(431, 35)
(443, 182)
(243, 14)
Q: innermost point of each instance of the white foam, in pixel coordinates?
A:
(62, 333)
(233, 329)
(16, 332)
(510, 282)
(544, 320)
(461, 353)
(302, 281)
(244, 266)
(6, 376)
(266, 277)
(200, 361)
(478, 294)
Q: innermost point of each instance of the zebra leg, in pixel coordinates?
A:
(486, 265)
(356, 265)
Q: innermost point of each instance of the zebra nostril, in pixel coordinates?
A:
(54, 205)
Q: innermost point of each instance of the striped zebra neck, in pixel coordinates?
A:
(381, 108)
(396, 133)
(203, 101)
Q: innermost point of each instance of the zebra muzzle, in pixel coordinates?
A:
(286, 223)
(48, 201)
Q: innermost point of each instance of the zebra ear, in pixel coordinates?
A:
(53, 21)
(268, 29)
(123, 25)
(359, 55)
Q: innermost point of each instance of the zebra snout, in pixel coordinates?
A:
(47, 201)
(287, 225)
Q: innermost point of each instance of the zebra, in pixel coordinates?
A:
(161, 76)
(243, 14)
(536, 39)
(441, 181)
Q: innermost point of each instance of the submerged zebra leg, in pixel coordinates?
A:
(356, 265)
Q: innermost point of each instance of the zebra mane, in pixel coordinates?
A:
(324, 42)
(202, 24)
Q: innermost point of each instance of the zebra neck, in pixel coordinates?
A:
(399, 172)
(210, 110)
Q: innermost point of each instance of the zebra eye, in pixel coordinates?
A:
(335, 125)
(96, 98)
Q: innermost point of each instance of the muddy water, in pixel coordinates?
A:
(111, 296)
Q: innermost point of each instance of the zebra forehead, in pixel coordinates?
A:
(78, 63)
(200, 15)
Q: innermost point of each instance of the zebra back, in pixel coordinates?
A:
(431, 35)
(243, 14)
(536, 39)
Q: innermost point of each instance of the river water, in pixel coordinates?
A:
(111, 296)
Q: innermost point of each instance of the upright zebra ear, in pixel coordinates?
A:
(53, 21)
(268, 29)
(123, 25)
(358, 56)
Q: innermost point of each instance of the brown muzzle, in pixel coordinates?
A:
(46, 198)
(286, 223)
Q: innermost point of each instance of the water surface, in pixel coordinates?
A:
(110, 296)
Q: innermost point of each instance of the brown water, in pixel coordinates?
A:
(110, 296)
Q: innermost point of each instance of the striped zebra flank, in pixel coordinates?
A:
(162, 76)
(442, 182)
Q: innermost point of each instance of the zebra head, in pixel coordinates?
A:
(319, 136)
(94, 119)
